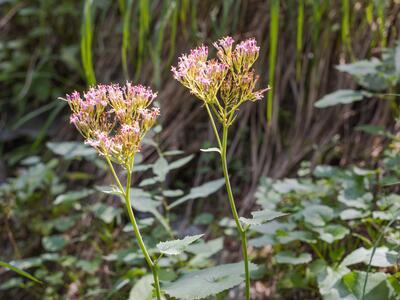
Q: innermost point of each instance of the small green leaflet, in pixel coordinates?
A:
(200, 192)
(70, 150)
(211, 150)
(72, 196)
(207, 282)
(19, 271)
(176, 247)
(382, 258)
(261, 217)
(289, 257)
(54, 242)
(143, 289)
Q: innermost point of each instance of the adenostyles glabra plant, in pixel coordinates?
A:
(223, 85)
(113, 119)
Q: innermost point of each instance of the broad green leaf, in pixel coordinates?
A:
(143, 289)
(352, 214)
(176, 247)
(288, 185)
(382, 258)
(161, 168)
(361, 67)
(203, 219)
(374, 130)
(208, 248)
(19, 271)
(70, 150)
(71, 197)
(289, 257)
(105, 212)
(377, 286)
(262, 241)
(201, 191)
(145, 204)
(285, 237)
(332, 232)
(261, 217)
(112, 190)
(330, 278)
(54, 242)
(317, 215)
(354, 198)
(339, 97)
(207, 282)
(172, 193)
(211, 150)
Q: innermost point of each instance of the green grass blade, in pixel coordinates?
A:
(157, 50)
(86, 43)
(345, 30)
(193, 17)
(20, 272)
(144, 24)
(126, 36)
(174, 28)
(376, 244)
(273, 45)
(299, 37)
(381, 22)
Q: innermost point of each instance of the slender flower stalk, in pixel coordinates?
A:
(113, 119)
(223, 85)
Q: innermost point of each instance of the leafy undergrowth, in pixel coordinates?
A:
(330, 233)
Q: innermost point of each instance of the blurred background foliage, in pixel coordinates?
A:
(49, 48)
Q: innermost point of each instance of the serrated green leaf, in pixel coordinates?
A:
(262, 217)
(176, 247)
(207, 282)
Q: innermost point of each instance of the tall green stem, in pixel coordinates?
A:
(153, 266)
(239, 226)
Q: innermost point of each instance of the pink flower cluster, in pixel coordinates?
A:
(203, 77)
(114, 119)
(226, 82)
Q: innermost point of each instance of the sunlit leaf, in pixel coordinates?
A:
(70, 150)
(261, 217)
(176, 247)
(73, 196)
(289, 257)
(382, 258)
(340, 97)
(201, 191)
(207, 282)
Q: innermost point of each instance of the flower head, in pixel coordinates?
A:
(225, 82)
(114, 119)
